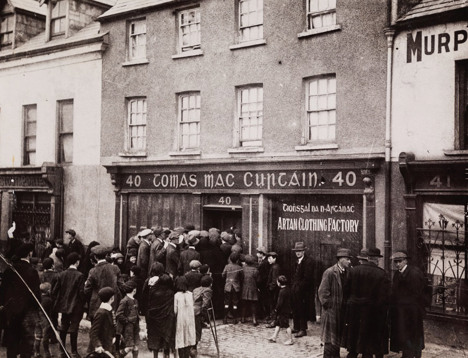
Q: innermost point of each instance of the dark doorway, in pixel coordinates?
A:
(222, 218)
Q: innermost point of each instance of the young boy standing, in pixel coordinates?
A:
(283, 311)
(102, 328)
(128, 321)
(233, 275)
(43, 332)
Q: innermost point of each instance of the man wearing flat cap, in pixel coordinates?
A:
(263, 269)
(173, 253)
(158, 247)
(302, 289)
(74, 245)
(20, 307)
(407, 308)
(103, 274)
(330, 293)
(143, 256)
(366, 307)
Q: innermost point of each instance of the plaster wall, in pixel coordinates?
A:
(423, 106)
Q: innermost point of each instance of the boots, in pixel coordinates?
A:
(234, 314)
(135, 353)
(226, 312)
(254, 315)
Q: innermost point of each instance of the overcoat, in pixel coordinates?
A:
(233, 274)
(185, 257)
(102, 275)
(68, 292)
(365, 329)
(143, 257)
(407, 310)
(330, 294)
(185, 320)
(249, 284)
(157, 304)
(172, 260)
(102, 330)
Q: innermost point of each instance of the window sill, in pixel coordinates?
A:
(246, 44)
(135, 154)
(246, 150)
(185, 153)
(310, 147)
(460, 152)
(319, 31)
(142, 61)
(188, 54)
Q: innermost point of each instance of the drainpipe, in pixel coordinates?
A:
(389, 33)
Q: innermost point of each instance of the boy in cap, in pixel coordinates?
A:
(193, 276)
(330, 294)
(102, 329)
(43, 332)
(233, 275)
(263, 269)
(128, 321)
(283, 311)
(201, 303)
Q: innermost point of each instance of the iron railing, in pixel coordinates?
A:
(443, 256)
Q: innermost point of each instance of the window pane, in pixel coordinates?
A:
(66, 117)
(67, 148)
(31, 144)
(189, 117)
(137, 41)
(321, 103)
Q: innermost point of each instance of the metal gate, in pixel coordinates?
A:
(442, 248)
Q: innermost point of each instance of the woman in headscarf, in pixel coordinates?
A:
(157, 304)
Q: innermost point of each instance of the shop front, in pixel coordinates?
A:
(32, 198)
(274, 204)
(436, 210)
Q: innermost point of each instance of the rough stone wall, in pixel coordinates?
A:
(81, 14)
(27, 26)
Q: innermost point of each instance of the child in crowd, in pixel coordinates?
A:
(128, 321)
(205, 270)
(102, 329)
(185, 337)
(233, 275)
(201, 303)
(43, 332)
(283, 311)
(250, 289)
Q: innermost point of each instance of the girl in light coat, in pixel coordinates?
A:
(185, 337)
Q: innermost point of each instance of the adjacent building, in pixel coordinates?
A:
(50, 111)
(430, 147)
(267, 117)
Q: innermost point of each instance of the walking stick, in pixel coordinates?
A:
(57, 335)
(210, 312)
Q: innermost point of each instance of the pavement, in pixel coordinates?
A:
(247, 341)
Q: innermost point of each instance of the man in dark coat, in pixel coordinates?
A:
(331, 296)
(407, 308)
(190, 253)
(173, 254)
(143, 257)
(69, 298)
(302, 288)
(103, 274)
(366, 308)
(263, 270)
(75, 245)
(21, 309)
(158, 246)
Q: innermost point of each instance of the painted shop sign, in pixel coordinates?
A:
(418, 43)
(275, 179)
(319, 214)
(21, 181)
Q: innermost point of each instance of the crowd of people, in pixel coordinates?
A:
(176, 277)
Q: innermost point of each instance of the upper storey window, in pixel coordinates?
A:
(189, 30)
(250, 115)
(137, 39)
(189, 120)
(321, 14)
(58, 18)
(6, 32)
(321, 109)
(250, 20)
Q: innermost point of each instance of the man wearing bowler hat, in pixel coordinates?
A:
(302, 288)
(366, 308)
(330, 294)
(407, 308)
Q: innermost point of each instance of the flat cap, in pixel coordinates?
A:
(399, 255)
(100, 250)
(71, 232)
(262, 249)
(106, 293)
(194, 264)
(144, 233)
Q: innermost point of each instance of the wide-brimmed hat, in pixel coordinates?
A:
(299, 246)
(374, 252)
(363, 255)
(399, 255)
(343, 253)
(193, 237)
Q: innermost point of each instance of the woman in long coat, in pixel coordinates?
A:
(157, 304)
(250, 289)
(185, 337)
